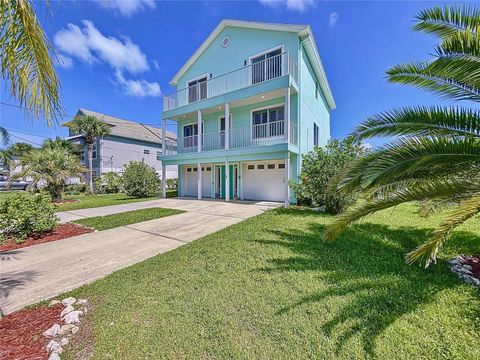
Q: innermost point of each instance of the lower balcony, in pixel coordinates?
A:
(266, 134)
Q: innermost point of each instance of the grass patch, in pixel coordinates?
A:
(5, 194)
(93, 201)
(269, 288)
(126, 218)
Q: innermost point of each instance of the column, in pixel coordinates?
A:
(164, 181)
(287, 115)
(164, 137)
(199, 127)
(164, 168)
(240, 180)
(199, 181)
(227, 126)
(287, 179)
(227, 182)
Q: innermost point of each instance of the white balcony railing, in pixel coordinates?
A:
(244, 137)
(259, 72)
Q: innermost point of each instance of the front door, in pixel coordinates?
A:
(220, 181)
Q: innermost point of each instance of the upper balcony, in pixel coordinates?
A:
(255, 74)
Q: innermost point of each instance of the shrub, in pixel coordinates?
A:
(22, 214)
(109, 183)
(172, 184)
(319, 168)
(140, 180)
(75, 189)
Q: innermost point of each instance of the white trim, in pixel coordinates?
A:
(206, 75)
(221, 116)
(281, 46)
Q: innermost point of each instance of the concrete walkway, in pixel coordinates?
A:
(39, 272)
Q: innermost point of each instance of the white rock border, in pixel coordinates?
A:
(60, 334)
(459, 266)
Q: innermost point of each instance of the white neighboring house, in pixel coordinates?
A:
(127, 141)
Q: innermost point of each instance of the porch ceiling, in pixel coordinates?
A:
(251, 100)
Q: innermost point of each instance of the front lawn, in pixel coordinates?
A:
(268, 288)
(126, 218)
(93, 201)
(4, 194)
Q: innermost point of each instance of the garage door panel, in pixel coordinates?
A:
(264, 183)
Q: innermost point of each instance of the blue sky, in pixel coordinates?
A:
(118, 57)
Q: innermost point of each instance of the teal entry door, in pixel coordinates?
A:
(220, 181)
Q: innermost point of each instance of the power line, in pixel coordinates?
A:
(26, 140)
(28, 133)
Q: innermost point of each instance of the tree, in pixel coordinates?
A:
(140, 180)
(4, 154)
(59, 143)
(319, 168)
(91, 128)
(25, 61)
(20, 148)
(437, 155)
(50, 168)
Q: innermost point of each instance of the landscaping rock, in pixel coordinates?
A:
(64, 341)
(72, 317)
(82, 301)
(68, 301)
(75, 330)
(53, 331)
(53, 302)
(65, 311)
(65, 329)
(54, 356)
(54, 346)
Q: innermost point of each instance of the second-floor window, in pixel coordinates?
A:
(268, 122)
(190, 133)
(316, 131)
(146, 152)
(266, 66)
(197, 89)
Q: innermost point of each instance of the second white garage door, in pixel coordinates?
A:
(190, 184)
(264, 180)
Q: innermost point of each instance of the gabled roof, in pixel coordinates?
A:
(304, 32)
(130, 129)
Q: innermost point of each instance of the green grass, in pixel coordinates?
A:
(93, 201)
(268, 288)
(126, 218)
(5, 194)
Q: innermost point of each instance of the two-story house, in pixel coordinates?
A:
(250, 101)
(127, 141)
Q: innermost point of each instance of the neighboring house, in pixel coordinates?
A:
(127, 141)
(269, 82)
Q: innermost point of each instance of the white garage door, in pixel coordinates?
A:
(264, 181)
(190, 184)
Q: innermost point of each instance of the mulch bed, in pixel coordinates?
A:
(62, 231)
(21, 332)
(474, 262)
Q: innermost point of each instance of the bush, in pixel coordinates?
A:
(319, 168)
(140, 180)
(75, 189)
(172, 184)
(109, 183)
(22, 214)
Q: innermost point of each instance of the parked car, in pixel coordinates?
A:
(5, 184)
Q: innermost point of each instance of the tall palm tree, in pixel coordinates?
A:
(4, 154)
(52, 167)
(436, 158)
(91, 128)
(25, 59)
(59, 143)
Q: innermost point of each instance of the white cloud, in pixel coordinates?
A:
(366, 146)
(127, 8)
(295, 5)
(333, 19)
(89, 45)
(64, 61)
(155, 63)
(138, 88)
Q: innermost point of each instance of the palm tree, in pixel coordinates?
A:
(4, 154)
(436, 158)
(20, 148)
(91, 128)
(59, 143)
(25, 61)
(52, 167)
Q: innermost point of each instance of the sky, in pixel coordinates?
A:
(117, 57)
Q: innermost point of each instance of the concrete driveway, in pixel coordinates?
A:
(40, 272)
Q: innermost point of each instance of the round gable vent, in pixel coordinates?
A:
(226, 41)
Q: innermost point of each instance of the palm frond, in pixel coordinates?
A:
(422, 120)
(430, 207)
(465, 44)
(427, 252)
(428, 76)
(25, 59)
(445, 21)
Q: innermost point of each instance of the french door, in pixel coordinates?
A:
(266, 66)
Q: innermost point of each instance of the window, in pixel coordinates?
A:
(268, 122)
(209, 168)
(195, 169)
(271, 166)
(281, 166)
(82, 156)
(317, 89)
(222, 129)
(266, 66)
(203, 169)
(197, 89)
(146, 152)
(315, 134)
(260, 167)
(251, 167)
(189, 169)
(159, 155)
(190, 133)
(94, 152)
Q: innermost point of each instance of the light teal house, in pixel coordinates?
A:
(268, 81)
